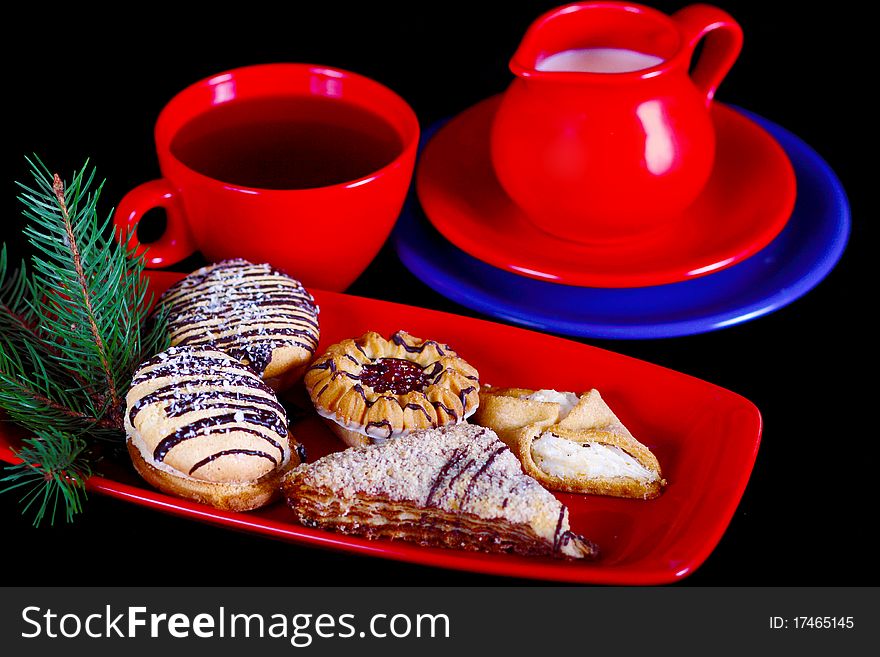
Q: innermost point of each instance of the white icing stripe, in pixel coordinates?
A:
(182, 332)
(233, 286)
(231, 297)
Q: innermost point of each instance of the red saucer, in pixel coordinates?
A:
(746, 203)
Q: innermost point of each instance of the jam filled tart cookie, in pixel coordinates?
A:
(457, 487)
(570, 443)
(202, 426)
(371, 389)
(260, 316)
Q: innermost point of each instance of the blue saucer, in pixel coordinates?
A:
(789, 267)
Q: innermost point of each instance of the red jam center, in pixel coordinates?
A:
(394, 375)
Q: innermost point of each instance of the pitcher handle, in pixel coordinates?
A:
(724, 39)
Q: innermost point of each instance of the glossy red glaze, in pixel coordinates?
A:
(747, 201)
(325, 236)
(705, 437)
(599, 156)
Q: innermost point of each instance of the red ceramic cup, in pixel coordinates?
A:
(325, 235)
(592, 156)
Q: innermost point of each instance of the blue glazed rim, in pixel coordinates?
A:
(807, 250)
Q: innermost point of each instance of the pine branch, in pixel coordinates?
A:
(73, 329)
(58, 188)
(35, 390)
(52, 472)
(91, 295)
(41, 403)
(18, 319)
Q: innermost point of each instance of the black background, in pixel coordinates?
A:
(78, 83)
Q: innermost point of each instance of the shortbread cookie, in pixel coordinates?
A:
(570, 443)
(371, 389)
(260, 316)
(457, 487)
(202, 426)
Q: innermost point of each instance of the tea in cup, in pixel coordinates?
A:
(304, 167)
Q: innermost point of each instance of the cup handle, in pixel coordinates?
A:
(175, 244)
(723, 44)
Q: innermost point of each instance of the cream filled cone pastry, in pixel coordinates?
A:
(202, 426)
(456, 486)
(571, 443)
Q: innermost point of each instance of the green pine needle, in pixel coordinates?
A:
(73, 328)
(52, 474)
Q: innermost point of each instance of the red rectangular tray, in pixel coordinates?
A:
(705, 437)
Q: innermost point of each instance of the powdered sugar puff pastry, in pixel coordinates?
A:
(570, 443)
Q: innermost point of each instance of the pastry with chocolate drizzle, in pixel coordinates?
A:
(202, 426)
(370, 389)
(457, 487)
(260, 316)
(571, 443)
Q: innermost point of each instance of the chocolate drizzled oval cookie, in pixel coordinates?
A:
(255, 313)
(203, 426)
